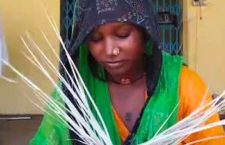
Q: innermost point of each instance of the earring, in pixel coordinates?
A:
(116, 51)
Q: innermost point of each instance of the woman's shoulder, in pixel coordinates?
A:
(192, 91)
(191, 83)
(188, 74)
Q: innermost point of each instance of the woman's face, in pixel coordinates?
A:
(118, 47)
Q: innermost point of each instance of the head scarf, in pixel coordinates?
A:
(88, 14)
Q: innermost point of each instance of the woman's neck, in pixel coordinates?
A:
(128, 78)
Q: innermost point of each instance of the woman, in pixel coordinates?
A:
(135, 85)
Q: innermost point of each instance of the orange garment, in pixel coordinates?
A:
(192, 91)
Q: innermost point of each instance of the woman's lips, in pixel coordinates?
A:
(114, 64)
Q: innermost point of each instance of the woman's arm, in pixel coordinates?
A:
(193, 93)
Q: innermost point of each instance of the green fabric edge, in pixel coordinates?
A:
(163, 101)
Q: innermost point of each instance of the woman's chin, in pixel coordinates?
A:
(117, 72)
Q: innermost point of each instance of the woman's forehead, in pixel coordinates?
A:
(113, 25)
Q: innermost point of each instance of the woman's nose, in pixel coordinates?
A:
(110, 45)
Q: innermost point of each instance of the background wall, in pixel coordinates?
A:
(204, 38)
(19, 16)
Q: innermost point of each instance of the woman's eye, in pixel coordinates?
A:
(123, 35)
(95, 38)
